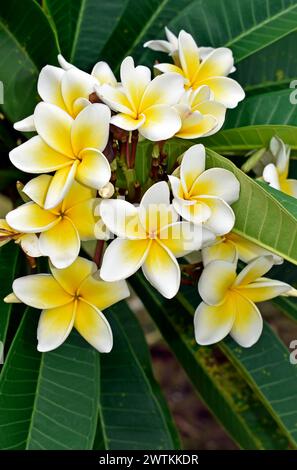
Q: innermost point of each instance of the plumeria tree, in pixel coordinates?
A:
(159, 163)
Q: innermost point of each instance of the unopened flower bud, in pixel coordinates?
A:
(107, 191)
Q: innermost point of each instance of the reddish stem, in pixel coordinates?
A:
(134, 141)
(99, 252)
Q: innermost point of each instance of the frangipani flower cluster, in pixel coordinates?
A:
(87, 129)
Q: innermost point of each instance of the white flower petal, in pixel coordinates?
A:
(164, 89)
(181, 238)
(188, 55)
(121, 218)
(222, 218)
(54, 127)
(30, 218)
(36, 189)
(197, 212)
(72, 277)
(49, 85)
(115, 98)
(35, 156)
(76, 84)
(254, 270)
(217, 182)
(134, 80)
(63, 63)
(270, 175)
(30, 245)
(25, 125)
(218, 63)
(162, 270)
(126, 122)
(91, 128)
(40, 291)
(103, 73)
(161, 123)
(94, 170)
(192, 165)
(226, 90)
(213, 323)
(248, 323)
(61, 244)
(93, 326)
(215, 280)
(54, 326)
(126, 255)
(60, 185)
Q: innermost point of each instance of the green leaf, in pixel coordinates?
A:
(288, 306)
(132, 411)
(83, 27)
(269, 108)
(266, 368)
(245, 26)
(49, 400)
(263, 215)
(8, 176)
(26, 46)
(9, 257)
(141, 21)
(243, 139)
(216, 380)
(271, 68)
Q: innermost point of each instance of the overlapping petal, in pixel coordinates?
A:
(162, 270)
(215, 281)
(40, 291)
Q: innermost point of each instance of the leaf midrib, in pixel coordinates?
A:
(19, 45)
(260, 25)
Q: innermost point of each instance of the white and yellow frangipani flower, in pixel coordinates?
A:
(68, 87)
(203, 196)
(231, 247)
(212, 71)
(276, 172)
(28, 241)
(200, 115)
(61, 228)
(229, 301)
(150, 237)
(171, 47)
(144, 104)
(71, 297)
(72, 148)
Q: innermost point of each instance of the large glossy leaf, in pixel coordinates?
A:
(243, 139)
(48, 401)
(221, 387)
(267, 108)
(9, 257)
(271, 68)
(140, 22)
(246, 25)
(132, 411)
(83, 27)
(27, 43)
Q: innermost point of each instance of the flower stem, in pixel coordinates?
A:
(99, 252)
